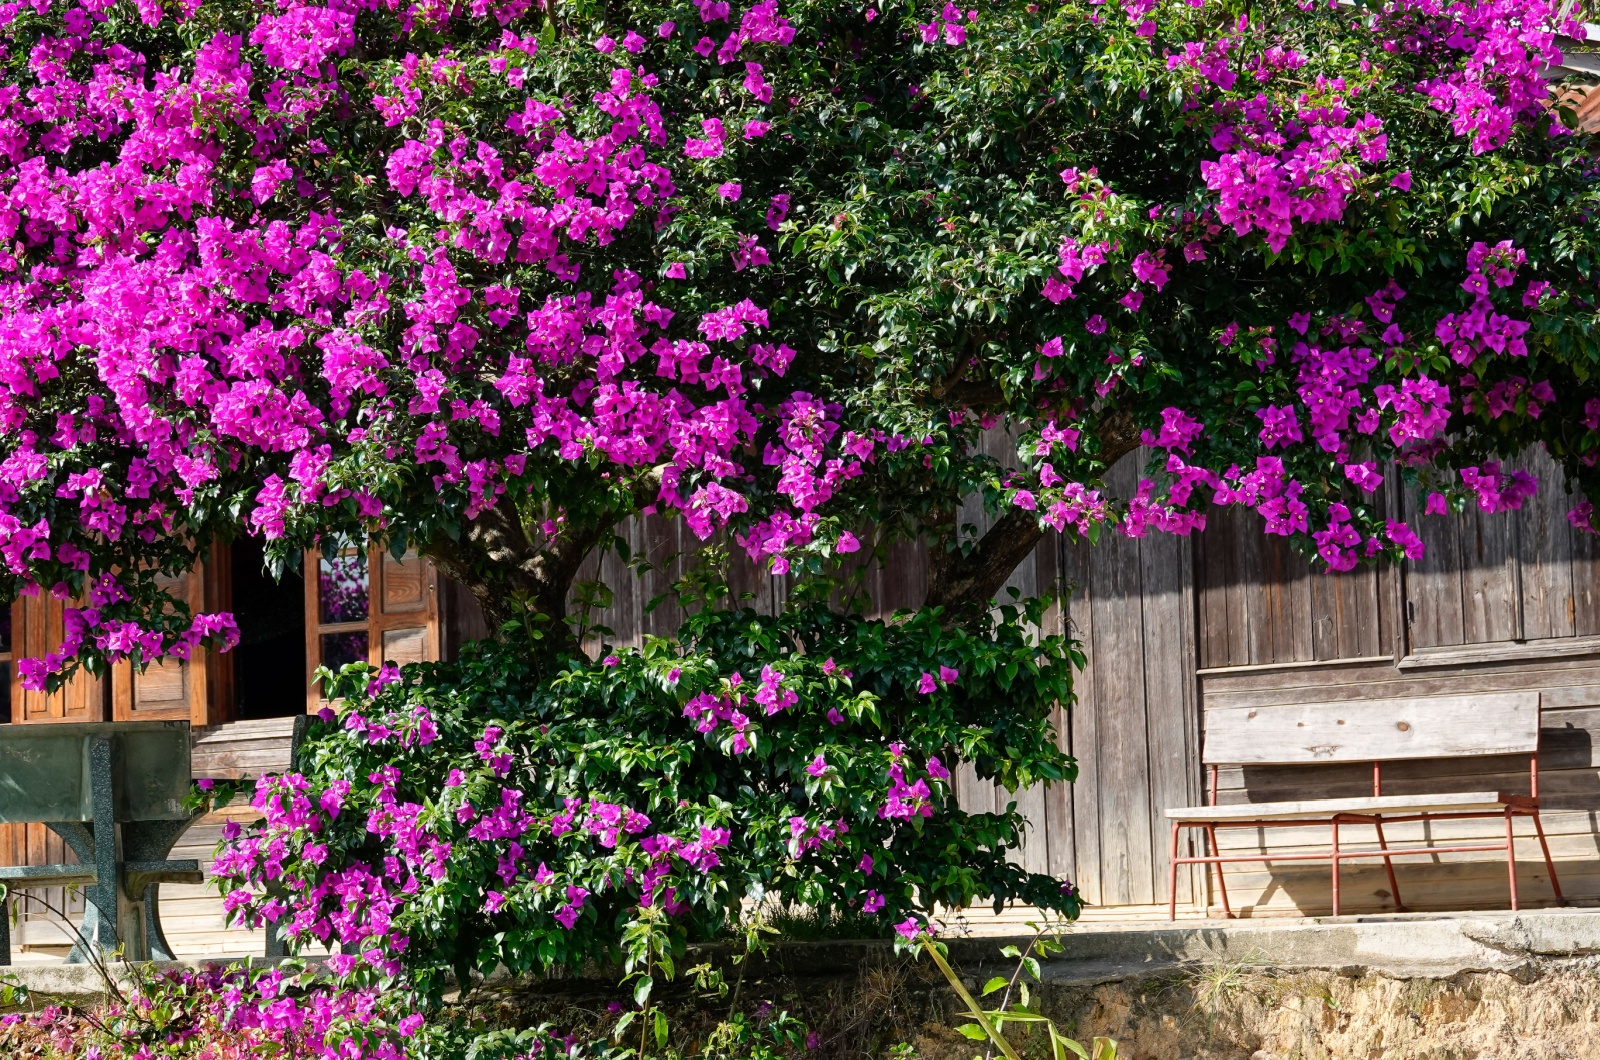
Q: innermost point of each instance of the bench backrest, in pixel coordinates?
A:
(46, 773)
(1373, 730)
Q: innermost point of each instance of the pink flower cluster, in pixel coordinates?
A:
(260, 350)
(709, 711)
(949, 25)
(353, 908)
(905, 801)
(1289, 160)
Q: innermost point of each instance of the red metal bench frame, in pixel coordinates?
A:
(1515, 806)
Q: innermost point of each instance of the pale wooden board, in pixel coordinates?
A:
(241, 749)
(1085, 729)
(1127, 872)
(1169, 692)
(1461, 802)
(1429, 727)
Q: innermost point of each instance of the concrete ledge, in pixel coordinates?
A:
(83, 982)
(1400, 946)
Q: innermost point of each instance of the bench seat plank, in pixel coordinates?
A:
(1401, 805)
(47, 875)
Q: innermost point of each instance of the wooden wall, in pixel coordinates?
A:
(1174, 626)
(1133, 729)
(1499, 602)
(39, 927)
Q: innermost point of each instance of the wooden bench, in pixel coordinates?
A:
(1376, 731)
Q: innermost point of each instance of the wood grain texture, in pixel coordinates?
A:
(1373, 730)
(1455, 802)
(1260, 603)
(240, 749)
(1084, 728)
(1127, 866)
(1169, 683)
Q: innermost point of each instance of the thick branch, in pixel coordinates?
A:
(957, 581)
(507, 574)
(962, 582)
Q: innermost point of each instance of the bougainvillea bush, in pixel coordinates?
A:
(459, 818)
(486, 278)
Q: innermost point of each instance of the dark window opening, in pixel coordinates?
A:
(269, 665)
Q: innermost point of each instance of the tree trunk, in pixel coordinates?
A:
(510, 576)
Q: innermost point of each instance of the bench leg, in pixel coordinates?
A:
(107, 912)
(1550, 866)
(153, 841)
(1511, 859)
(154, 938)
(1172, 879)
(1222, 883)
(1388, 866)
(1335, 823)
(5, 932)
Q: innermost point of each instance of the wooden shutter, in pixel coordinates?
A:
(198, 689)
(366, 604)
(37, 629)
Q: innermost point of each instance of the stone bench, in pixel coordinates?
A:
(114, 793)
(48, 775)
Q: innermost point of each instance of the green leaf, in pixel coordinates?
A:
(1075, 1048)
(973, 1031)
(641, 990)
(997, 983)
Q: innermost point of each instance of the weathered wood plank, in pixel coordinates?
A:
(1545, 553)
(1433, 583)
(1461, 802)
(239, 749)
(1084, 729)
(1345, 605)
(1561, 678)
(1168, 677)
(1123, 789)
(1058, 813)
(972, 794)
(1035, 852)
(1215, 577)
(1378, 730)
(1488, 591)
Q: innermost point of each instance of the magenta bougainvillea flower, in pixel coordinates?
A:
(412, 270)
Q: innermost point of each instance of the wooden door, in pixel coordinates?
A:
(35, 629)
(198, 689)
(368, 605)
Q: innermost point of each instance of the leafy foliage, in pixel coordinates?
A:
(489, 815)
